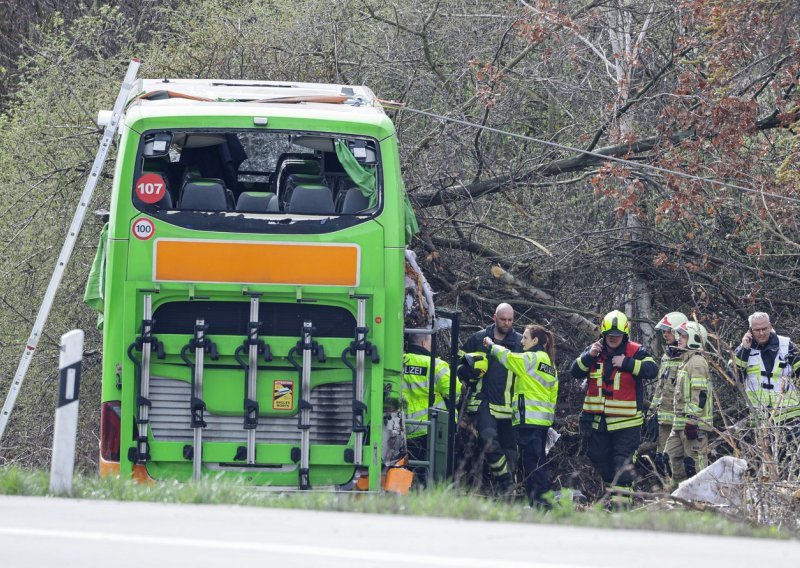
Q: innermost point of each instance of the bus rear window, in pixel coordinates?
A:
(256, 173)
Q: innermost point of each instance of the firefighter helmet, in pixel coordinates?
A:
(477, 362)
(670, 321)
(696, 333)
(615, 323)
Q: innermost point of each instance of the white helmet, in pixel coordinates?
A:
(670, 321)
(697, 335)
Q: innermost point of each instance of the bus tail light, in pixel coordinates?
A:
(109, 430)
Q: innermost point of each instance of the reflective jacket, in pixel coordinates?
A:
(535, 385)
(496, 385)
(416, 377)
(771, 390)
(664, 399)
(616, 393)
(694, 399)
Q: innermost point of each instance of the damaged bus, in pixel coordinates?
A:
(253, 286)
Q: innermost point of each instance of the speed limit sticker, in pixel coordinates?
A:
(150, 188)
(144, 229)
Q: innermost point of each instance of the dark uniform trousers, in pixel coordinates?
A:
(499, 445)
(532, 442)
(612, 453)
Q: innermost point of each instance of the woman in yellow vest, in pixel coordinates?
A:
(534, 403)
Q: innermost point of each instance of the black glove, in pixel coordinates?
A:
(691, 431)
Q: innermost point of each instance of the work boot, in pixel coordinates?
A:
(505, 490)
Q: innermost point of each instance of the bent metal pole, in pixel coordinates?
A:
(69, 244)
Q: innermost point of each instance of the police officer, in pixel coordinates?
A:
(687, 445)
(535, 395)
(490, 407)
(769, 365)
(612, 418)
(664, 399)
(416, 394)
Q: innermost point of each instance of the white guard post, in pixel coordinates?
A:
(66, 426)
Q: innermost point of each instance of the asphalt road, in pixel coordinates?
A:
(49, 532)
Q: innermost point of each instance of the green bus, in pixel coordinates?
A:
(253, 286)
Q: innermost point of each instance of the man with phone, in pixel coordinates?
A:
(769, 366)
(611, 419)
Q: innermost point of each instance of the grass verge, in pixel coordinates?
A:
(438, 501)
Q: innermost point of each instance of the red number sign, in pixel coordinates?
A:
(150, 188)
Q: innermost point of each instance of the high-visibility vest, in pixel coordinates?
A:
(616, 399)
(535, 385)
(664, 399)
(416, 377)
(772, 392)
(693, 377)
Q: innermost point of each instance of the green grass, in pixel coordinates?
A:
(438, 502)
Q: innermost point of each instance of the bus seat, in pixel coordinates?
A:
(311, 199)
(354, 201)
(293, 180)
(254, 201)
(166, 201)
(203, 195)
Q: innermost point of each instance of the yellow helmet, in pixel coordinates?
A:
(615, 323)
(477, 361)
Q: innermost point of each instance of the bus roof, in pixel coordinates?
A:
(242, 89)
(159, 98)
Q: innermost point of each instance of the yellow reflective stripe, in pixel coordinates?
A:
(740, 362)
(500, 410)
(614, 423)
(501, 353)
(699, 383)
(509, 385)
(581, 366)
(542, 403)
(637, 366)
(415, 381)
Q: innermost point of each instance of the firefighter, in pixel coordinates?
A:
(611, 420)
(769, 366)
(416, 397)
(664, 399)
(489, 408)
(535, 394)
(687, 445)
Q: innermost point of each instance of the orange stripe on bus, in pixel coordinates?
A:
(256, 263)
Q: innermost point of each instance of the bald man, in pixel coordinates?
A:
(490, 406)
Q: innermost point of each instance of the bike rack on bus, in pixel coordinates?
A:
(359, 348)
(254, 346)
(201, 344)
(145, 343)
(308, 347)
